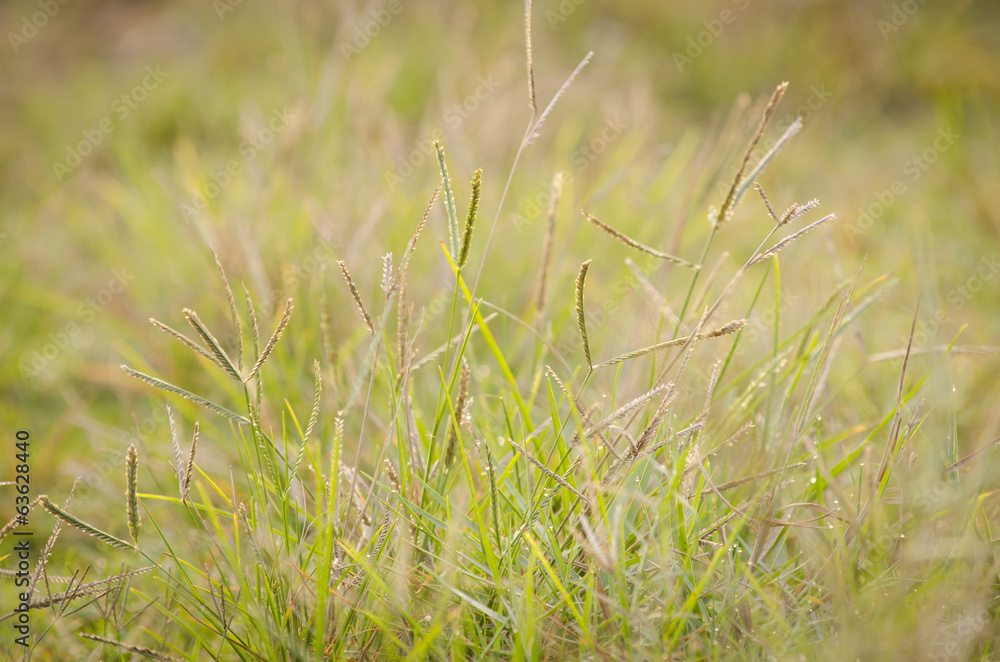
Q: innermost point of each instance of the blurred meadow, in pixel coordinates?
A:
(139, 136)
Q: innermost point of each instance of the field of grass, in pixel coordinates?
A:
(604, 399)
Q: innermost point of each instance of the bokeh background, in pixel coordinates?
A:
(119, 118)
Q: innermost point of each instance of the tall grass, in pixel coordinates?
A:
(679, 500)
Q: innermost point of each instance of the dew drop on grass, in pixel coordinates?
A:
(812, 481)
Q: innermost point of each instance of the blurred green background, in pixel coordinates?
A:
(117, 116)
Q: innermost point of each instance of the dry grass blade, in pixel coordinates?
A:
(269, 347)
(727, 207)
(625, 409)
(897, 420)
(470, 220)
(184, 339)
(550, 231)
(971, 456)
(530, 59)
(581, 320)
(821, 365)
(562, 90)
(138, 650)
(220, 357)
(632, 243)
(84, 590)
(733, 438)
(757, 476)
(972, 350)
(460, 407)
(170, 388)
(189, 468)
(237, 325)
(449, 201)
(772, 537)
(76, 523)
(132, 492)
(357, 296)
(790, 238)
(636, 449)
(731, 327)
(708, 282)
(674, 436)
(789, 133)
(545, 470)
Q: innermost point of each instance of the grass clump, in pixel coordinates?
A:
(453, 496)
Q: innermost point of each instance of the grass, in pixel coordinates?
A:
(652, 418)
